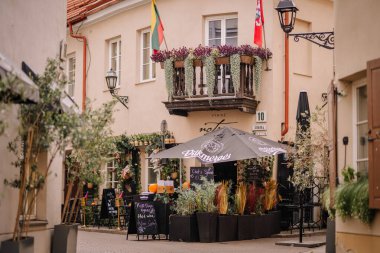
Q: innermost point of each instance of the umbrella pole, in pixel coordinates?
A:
(180, 173)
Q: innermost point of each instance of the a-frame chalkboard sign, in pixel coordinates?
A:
(108, 209)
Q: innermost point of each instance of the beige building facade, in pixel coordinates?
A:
(357, 42)
(30, 34)
(118, 31)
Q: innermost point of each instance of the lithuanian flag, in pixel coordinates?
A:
(156, 28)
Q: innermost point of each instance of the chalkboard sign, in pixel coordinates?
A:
(196, 173)
(108, 208)
(253, 173)
(145, 215)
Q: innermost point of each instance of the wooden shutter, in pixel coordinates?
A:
(373, 91)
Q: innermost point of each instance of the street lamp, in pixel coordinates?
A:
(164, 129)
(111, 79)
(286, 8)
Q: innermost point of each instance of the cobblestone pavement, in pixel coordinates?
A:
(93, 242)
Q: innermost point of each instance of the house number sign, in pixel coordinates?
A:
(261, 116)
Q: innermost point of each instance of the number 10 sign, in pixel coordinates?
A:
(261, 116)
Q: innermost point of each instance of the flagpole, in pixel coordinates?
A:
(165, 43)
(265, 45)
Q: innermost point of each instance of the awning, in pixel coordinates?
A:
(23, 88)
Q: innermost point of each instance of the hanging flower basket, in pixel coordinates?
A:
(222, 60)
(179, 64)
(197, 63)
(246, 59)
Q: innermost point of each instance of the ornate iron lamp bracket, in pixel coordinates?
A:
(322, 39)
(121, 99)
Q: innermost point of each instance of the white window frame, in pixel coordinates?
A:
(69, 57)
(223, 19)
(356, 85)
(148, 167)
(118, 58)
(151, 63)
(114, 181)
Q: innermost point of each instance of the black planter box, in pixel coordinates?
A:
(183, 228)
(227, 228)
(268, 224)
(276, 222)
(162, 216)
(244, 231)
(65, 238)
(25, 245)
(259, 227)
(207, 226)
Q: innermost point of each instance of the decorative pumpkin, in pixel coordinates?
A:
(152, 188)
(186, 185)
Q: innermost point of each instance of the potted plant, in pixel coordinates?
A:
(244, 229)
(161, 56)
(183, 224)
(207, 216)
(227, 223)
(180, 56)
(44, 128)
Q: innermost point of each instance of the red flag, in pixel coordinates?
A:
(259, 22)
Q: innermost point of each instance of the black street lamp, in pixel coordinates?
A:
(111, 79)
(286, 9)
(164, 129)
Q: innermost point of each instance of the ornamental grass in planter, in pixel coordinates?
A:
(207, 216)
(243, 229)
(227, 223)
(183, 225)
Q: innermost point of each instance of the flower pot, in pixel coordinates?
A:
(174, 175)
(90, 185)
(167, 141)
(197, 63)
(244, 228)
(65, 238)
(136, 143)
(162, 65)
(207, 226)
(179, 64)
(227, 228)
(268, 220)
(222, 60)
(183, 228)
(246, 59)
(146, 143)
(24, 245)
(140, 143)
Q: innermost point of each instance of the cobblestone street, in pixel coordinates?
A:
(93, 242)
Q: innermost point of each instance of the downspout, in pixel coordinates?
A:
(286, 124)
(84, 40)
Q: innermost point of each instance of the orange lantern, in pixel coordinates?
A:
(152, 188)
(185, 185)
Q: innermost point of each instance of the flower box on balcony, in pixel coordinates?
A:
(222, 60)
(179, 64)
(197, 63)
(246, 59)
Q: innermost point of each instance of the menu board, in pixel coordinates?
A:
(196, 173)
(145, 215)
(253, 173)
(108, 208)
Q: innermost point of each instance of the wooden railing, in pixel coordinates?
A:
(223, 80)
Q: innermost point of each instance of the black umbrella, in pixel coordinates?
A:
(303, 125)
(223, 145)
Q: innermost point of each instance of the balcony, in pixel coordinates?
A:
(223, 95)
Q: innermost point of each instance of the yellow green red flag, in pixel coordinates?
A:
(156, 28)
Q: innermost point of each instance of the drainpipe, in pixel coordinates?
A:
(84, 40)
(286, 124)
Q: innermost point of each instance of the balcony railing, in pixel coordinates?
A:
(224, 96)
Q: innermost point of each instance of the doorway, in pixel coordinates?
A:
(226, 172)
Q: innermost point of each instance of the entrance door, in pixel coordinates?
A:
(225, 172)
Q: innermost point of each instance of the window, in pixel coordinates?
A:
(111, 176)
(360, 127)
(115, 57)
(152, 176)
(148, 67)
(222, 30)
(71, 75)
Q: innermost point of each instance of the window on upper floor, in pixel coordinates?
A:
(360, 127)
(147, 66)
(221, 30)
(71, 75)
(115, 57)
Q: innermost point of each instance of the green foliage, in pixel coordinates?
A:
(189, 74)
(205, 195)
(185, 203)
(235, 71)
(210, 74)
(352, 199)
(170, 169)
(258, 73)
(348, 174)
(326, 203)
(169, 72)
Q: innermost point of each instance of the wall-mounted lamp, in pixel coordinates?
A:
(111, 79)
(287, 8)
